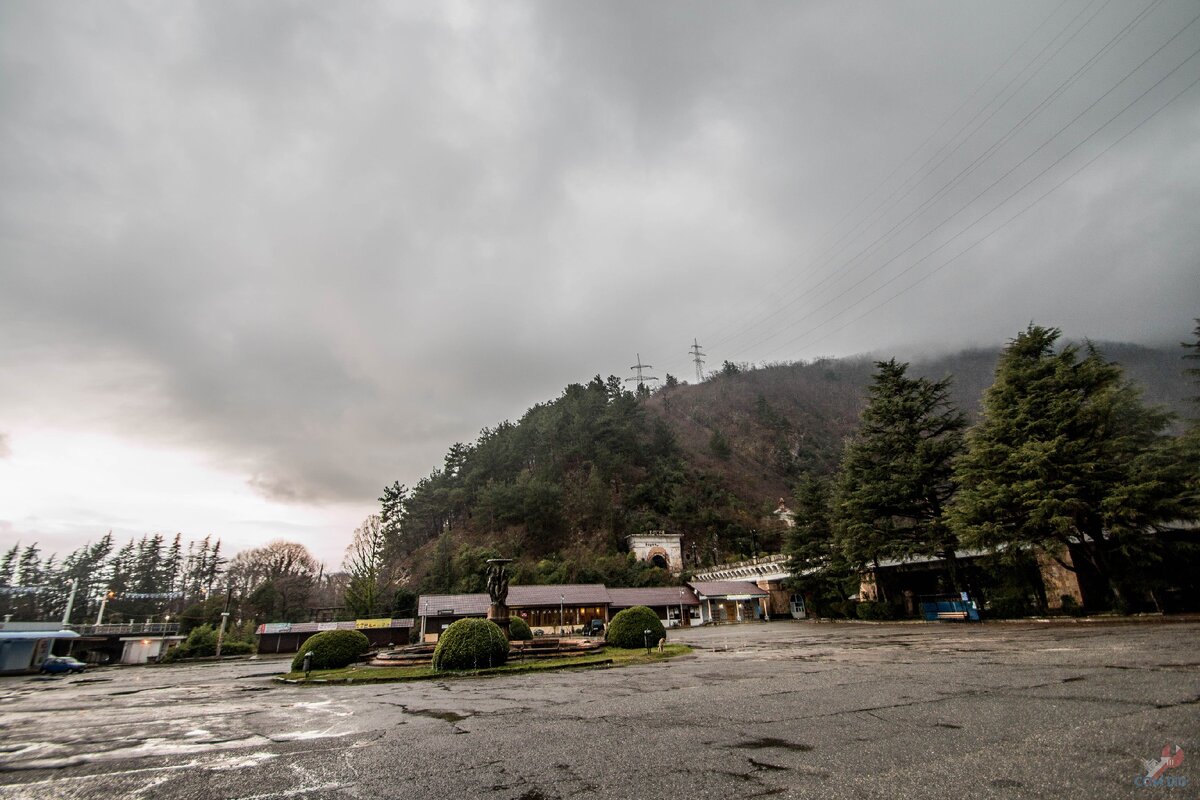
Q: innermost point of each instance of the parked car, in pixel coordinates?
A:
(56, 665)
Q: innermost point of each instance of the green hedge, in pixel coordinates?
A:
(873, 610)
(518, 629)
(471, 643)
(332, 649)
(627, 628)
(202, 643)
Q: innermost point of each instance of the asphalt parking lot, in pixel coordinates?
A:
(785, 709)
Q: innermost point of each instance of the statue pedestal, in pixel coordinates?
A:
(498, 613)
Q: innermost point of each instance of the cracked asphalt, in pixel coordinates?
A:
(785, 709)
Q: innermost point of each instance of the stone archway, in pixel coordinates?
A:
(659, 557)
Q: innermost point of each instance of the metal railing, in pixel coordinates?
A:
(131, 629)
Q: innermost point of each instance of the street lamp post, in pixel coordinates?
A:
(66, 620)
(562, 601)
(103, 603)
(681, 608)
(221, 633)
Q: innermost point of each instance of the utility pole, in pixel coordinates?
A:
(641, 379)
(224, 616)
(221, 633)
(697, 357)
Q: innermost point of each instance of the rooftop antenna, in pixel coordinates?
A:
(641, 379)
(697, 357)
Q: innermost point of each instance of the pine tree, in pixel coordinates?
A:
(896, 473)
(391, 516)
(8, 575)
(29, 576)
(172, 565)
(8, 565)
(818, 566)
(1194, 371)
(1066, 455)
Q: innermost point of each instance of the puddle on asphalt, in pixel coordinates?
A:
(445, 716)
(772, 743)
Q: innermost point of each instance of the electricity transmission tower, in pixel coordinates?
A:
(697, 357)
(641, 379)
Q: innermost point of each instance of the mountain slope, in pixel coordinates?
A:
(710, 461)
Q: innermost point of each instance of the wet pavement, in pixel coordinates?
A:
(786, 709)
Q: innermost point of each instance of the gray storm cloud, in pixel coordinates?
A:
(324, 241)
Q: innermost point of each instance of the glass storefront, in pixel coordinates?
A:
(572, 616)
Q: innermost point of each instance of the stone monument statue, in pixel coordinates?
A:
(497, 587)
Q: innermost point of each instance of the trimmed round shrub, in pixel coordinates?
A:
(627, 628)
(332, 649)
(471, 643)
(518, 629)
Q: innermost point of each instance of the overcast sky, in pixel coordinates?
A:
(258, 260)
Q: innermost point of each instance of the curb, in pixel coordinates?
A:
(438, 676)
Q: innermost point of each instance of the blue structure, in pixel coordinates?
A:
(953, 610)
(24, 651)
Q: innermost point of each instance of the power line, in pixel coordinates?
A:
(1029, 206)
(994, 183)
(1067, 83)
(940, 155)
(962, 174)
(817, 252)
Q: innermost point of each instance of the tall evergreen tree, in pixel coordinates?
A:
(1194, 371)
(29, 576)
(8, 565)
(392, 508)
(1066, 454)
(8, 577)
(896, 472)
(818, 566)
(1187, 451)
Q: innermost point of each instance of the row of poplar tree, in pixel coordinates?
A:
(139, 579)
(1065, 459)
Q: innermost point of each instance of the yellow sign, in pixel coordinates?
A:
(373, 623)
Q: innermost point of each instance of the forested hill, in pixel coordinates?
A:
(563, 486)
